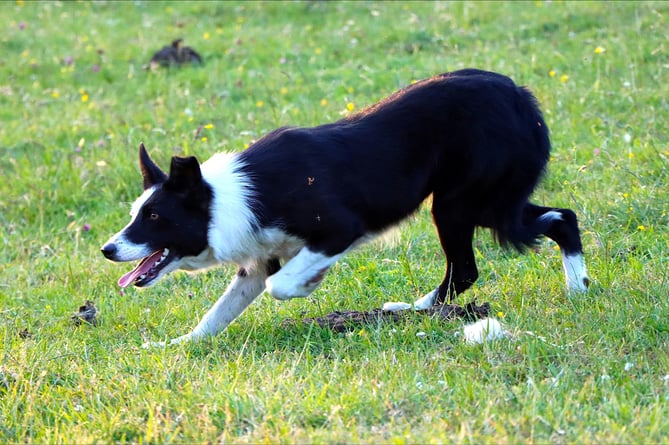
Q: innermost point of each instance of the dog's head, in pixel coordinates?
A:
(169, 223)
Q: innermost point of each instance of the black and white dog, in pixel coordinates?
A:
(287, 208)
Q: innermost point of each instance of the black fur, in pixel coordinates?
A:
(180, 205)
(473, 139)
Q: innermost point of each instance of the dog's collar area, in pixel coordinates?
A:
(147, 270)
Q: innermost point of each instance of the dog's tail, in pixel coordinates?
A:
(512, 225)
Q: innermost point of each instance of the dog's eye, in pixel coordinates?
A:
(154, 216)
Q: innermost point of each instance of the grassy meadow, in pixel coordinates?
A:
(76, 101)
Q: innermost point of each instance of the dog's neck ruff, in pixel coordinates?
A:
(233, 222)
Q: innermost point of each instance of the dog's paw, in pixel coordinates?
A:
(425, 302)
(421, 304)
(163, 344)
(576, 273)
(285, 289)
(396, 306)
(154, 344)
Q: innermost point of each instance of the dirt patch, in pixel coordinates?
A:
(87, 314)
(342, 321)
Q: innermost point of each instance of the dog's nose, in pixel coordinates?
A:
(109, 250)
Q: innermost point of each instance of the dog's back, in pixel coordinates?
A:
(473, 138)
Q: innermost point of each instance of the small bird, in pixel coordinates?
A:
(175, 54)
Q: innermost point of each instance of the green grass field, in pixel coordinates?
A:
(75, 102)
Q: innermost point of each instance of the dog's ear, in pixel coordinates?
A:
(150, 172)
(185, 174)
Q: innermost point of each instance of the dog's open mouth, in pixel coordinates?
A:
(147, 270)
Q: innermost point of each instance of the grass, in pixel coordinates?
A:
(75, 103)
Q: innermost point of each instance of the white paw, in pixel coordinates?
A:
(575, 272)
(285, 289)
(174, 341)
(425, 302)
(396, 306)
(421, 304)
(154, 344)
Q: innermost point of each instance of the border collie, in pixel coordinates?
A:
(287, 208)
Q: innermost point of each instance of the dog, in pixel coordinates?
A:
(297, 200)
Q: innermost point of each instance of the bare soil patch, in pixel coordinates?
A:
(342, 321)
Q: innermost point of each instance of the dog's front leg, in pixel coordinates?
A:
(240, 293)
(300, 276)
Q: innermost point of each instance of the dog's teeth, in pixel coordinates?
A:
(141, 277)
(166, 252)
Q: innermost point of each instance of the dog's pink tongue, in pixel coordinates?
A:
(143, 267)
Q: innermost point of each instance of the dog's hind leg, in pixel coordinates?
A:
(461, 272)
(561, 226)
(456, 240)
(240, 293)
(300, 276)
